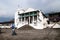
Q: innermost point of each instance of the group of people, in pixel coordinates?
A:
(13, 30)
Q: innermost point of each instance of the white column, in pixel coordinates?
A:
(37, 17)
(33, 19)
(24, 20)
(21, 19)
(29, 19)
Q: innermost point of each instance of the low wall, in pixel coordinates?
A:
(5, 26)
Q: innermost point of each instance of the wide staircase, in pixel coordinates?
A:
(26, 27)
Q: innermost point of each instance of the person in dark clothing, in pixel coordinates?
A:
(0, 30)
(13, 29)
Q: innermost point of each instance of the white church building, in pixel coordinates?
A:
(32, 17)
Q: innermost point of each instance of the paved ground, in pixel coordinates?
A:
(45, 34)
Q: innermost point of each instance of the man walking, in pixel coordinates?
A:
(13, 29)
(0, 29)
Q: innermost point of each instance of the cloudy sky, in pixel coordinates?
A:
(9, 7)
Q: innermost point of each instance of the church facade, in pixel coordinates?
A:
(32, 17)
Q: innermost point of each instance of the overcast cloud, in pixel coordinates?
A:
(9, 7)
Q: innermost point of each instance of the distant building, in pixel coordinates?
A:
(54, 17)
(31, 17)
(6, 24)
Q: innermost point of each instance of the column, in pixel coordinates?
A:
(37, 17)
(29, 18)
(21, 19)
(33, 18)
(24, 20)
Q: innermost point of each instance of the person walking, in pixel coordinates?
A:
(0, 29)
(13, 29)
